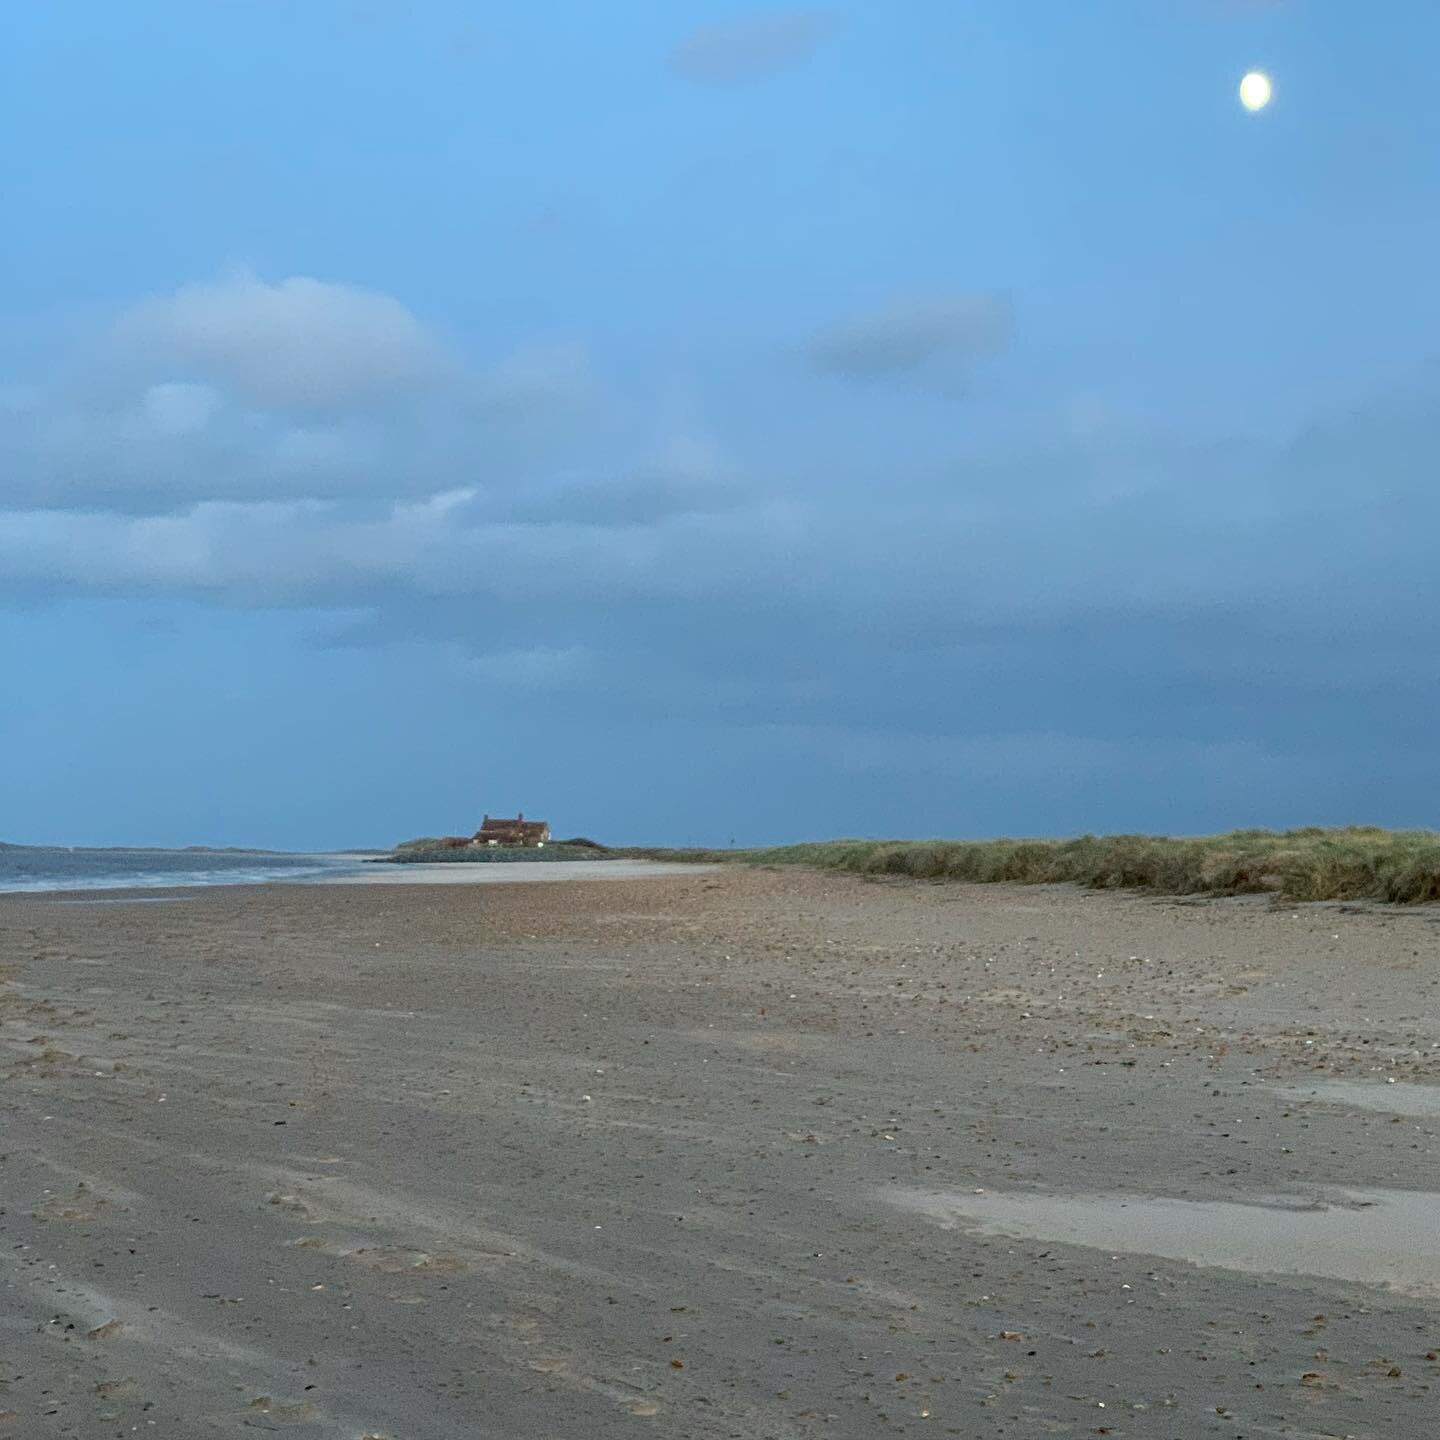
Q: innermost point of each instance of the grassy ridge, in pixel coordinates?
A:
(1359, 863)
(421, 852)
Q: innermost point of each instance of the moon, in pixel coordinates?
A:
(1256, 90)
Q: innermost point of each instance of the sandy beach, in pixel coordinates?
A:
(716, 1154)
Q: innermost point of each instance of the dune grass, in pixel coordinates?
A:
(1357, 863)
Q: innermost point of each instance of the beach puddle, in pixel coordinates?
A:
(1397, 1099)
(1378, 1237)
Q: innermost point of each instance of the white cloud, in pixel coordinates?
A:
(245, 390)
(721, 587)
(309, 551)
(317, 450)
(1072, 530)
(173, 444)
(300, 343)
(979, 605)
(180, 409)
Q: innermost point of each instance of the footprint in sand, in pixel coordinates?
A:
(290, 1205)
(387, 1260)
(84, 1204)
(410, 1262)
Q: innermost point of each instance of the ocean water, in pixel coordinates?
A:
(46, 868)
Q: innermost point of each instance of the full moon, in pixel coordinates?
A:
(1255, 90)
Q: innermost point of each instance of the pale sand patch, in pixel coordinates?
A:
(1378, 1237)
(1396, 1098)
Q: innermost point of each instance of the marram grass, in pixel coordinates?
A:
(1357, 863)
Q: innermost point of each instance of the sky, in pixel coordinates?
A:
(696, 424)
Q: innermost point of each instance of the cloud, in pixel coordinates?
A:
(297, 344)
(910, 335)
(457, 543)
(537, 377)
(178, 409)
(241, 390)
(639, 498)
(175, 443)
(747, 46)
(1052, 535)
(686, 477)
(1143, 584)
(1204, 599)
(311, 457)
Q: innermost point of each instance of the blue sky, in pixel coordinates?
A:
(692, 422)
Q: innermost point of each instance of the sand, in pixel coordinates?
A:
(742, 1153)
(507, 872)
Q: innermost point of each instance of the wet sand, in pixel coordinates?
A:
(754, 1154)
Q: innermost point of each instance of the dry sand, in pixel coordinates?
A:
(504, 872)
(754, 1154)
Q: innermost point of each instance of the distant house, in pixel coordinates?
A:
(519, 831)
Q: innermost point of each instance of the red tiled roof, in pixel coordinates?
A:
(519, 828)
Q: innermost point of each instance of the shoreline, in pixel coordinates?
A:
(377, 873)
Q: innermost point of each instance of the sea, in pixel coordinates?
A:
(39, 868)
